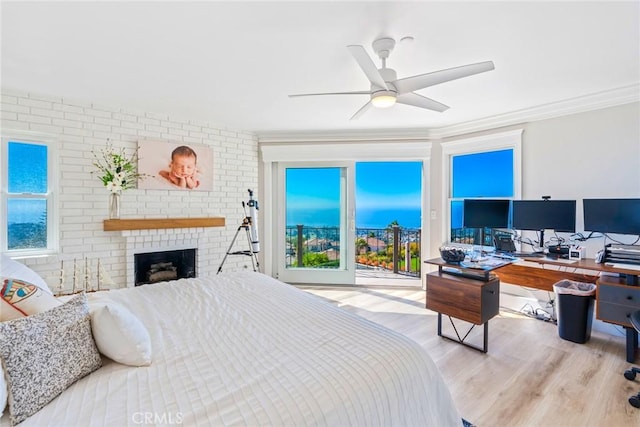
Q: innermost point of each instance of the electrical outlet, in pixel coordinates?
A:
(434, 214)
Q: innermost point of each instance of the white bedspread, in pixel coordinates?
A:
(246, 349)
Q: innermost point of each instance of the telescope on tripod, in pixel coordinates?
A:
(250, 226)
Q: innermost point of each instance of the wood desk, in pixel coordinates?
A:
(616, 298)
(538, 277)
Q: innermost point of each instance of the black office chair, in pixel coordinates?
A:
(630, 374)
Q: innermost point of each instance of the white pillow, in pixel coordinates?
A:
(11, 268)
(120, 335)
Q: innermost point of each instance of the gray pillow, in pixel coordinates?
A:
(45, 353)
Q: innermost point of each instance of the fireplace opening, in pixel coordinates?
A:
(156, 267)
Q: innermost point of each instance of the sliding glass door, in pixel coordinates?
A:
(316, 241)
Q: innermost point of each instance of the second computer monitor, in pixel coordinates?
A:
(558, 215)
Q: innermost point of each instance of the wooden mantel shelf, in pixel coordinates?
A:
(161, 223)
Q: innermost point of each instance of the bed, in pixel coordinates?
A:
(243, 348)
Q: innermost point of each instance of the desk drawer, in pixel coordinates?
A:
(614, 313)
(619, 294)
(470, 300)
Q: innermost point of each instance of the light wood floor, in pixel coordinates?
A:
(529, 377)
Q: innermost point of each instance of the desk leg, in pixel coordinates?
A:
(485, 347)
(632, 344)
(460, 339)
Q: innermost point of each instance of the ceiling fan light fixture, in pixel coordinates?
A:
(386, 87)
(384, 99)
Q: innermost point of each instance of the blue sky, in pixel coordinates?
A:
(488, 174)
(28, 168)
(317, 188)
(388, 185)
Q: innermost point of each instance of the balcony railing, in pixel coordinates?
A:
(395, 248)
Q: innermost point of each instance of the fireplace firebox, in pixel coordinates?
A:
(153, 267)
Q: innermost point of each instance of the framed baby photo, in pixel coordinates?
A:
(175, 166)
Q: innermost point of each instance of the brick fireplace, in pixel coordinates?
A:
(144, 236)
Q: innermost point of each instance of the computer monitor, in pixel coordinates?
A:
(558, 215)
(480, 213)
(619, 216)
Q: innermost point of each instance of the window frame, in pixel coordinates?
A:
(51, 196)
(480, 144)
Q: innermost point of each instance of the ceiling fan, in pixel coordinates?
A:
(387, 89)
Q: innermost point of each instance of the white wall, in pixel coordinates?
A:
(81, 127)
(589, 155)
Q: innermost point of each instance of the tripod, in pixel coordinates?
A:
(246, 224)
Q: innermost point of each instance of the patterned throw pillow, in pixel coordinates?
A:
(45, 353)
(12, 268)
(19, 298)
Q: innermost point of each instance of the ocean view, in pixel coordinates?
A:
(365, 218)
(380, 218)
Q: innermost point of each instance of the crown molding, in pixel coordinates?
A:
(366, 135)
(595, 101)
(346, 151)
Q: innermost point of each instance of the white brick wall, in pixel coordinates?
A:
(81, 127)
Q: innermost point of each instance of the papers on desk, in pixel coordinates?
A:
(486, 264)
(621, 265)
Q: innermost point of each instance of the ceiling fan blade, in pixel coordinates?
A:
(421, 101)
(409, 84)
(364, 61)
(362, 92)
(361, 111)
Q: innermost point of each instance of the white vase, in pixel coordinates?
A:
(114, 206)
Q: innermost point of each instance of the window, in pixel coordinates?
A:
(332, 152)
(27, 203)
(485, 167)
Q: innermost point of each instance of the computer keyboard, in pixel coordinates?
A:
(526, 254)
(504, 256)
(561, 260)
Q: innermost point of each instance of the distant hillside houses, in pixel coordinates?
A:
(320, 245)
(332, 254)
(375, 245)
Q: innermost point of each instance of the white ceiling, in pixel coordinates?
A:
(234, 63)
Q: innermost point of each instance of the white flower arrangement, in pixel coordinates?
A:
(117, 171)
